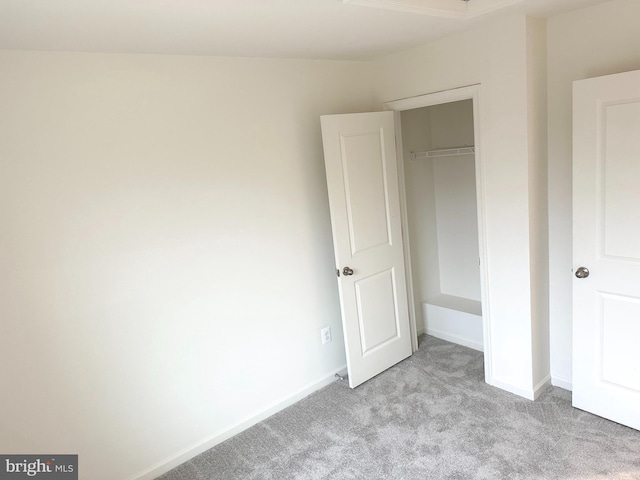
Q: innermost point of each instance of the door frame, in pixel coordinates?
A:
(471, 92)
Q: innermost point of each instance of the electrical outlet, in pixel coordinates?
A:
(325, 334)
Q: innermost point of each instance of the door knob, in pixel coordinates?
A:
(346, 271)
(582, 272)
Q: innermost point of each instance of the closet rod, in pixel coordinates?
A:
(447, 152)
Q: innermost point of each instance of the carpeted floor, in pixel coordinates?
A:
(429, 417)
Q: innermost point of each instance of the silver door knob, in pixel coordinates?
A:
(346, 271)
(582, 272)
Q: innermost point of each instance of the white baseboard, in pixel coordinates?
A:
(520, 391)
(219, 437)
(465, 342)
(454, 326)
(562, 382)
(542, 386)
(528, 393)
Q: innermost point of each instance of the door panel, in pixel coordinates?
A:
(606, 195)
(365, 190)
(362, 181)
(621, 179)
(377, 310)
(620, 331)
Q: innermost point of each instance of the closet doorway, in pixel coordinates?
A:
(439, 158)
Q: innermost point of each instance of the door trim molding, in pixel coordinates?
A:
(471, 92)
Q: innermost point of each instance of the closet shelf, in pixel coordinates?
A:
(447, 152)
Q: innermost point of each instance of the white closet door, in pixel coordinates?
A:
(362, 180)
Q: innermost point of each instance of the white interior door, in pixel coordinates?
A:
(362, 180)
(606, 236)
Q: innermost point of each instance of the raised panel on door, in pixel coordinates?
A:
(619, 330)
(377, 311)
(620, 180)
(365, 190)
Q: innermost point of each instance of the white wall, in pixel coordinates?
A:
(590, 42)
(451, 124)
(538, 198)
(441, 201)
(454, 183)
(165, 253)
(421, 209)
(441, 204)
(494, 55)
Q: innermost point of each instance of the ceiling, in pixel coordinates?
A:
(330, 29)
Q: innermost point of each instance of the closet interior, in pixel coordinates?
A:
(440, 188)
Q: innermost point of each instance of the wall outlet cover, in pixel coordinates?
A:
(325, 334)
